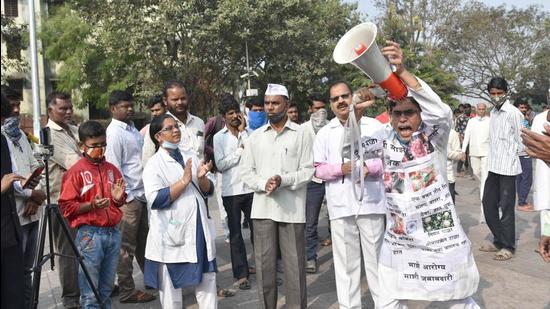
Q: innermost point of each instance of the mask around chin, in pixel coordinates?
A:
(276, 118)
(497, 100)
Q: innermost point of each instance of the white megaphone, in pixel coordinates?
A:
(358, 47)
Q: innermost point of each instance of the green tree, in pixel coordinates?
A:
(14, 36)
(137, 44)
(482, 42)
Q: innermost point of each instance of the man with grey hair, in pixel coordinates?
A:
(476, 136)
(277, 168)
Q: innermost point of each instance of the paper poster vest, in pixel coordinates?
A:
(358, 47)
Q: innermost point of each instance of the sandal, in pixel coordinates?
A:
(139, 297)
(327, 242)
(226, 293)
(489, 248)
(526, 208)
(503, 255)
(243, 284)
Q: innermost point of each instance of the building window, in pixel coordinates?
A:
(10, 8)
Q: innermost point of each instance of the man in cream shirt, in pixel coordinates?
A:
(477, 137)
(277, 163)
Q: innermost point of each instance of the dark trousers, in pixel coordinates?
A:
(452, 191)
(524, 180)
(500, 192)
(314, 200)
(29, 237)
(234, 205)
(12, 277)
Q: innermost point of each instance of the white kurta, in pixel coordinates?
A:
(425, 254)
(172, 231)
(541, 195)
(327, 149)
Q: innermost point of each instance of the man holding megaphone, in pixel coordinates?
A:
(425, 254)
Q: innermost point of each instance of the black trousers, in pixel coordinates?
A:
(12, 277)
(234, 205)
(500, 192)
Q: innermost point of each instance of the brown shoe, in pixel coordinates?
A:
(139, 297)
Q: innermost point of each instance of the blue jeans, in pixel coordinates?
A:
(314, 200)
(99, 247)
(525, 179)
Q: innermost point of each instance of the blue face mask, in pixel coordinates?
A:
(169, 145)
(256, 119)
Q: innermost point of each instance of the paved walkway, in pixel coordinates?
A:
(522, 282)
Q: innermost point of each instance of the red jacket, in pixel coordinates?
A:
(80, 184)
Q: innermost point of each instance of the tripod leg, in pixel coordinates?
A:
(78, 255)
(37, 264)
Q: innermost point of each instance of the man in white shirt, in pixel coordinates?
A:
(316, 187)
(476, 136)
(503, 166)
(357, 227)
(192, 127)
(124, 145)
(277, 163)
(236, 195)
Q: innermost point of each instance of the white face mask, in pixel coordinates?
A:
(498, 100)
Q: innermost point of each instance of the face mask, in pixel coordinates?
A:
(277, 117)
(256, 119)
(319, 119)
(498, 100)
(11, 128)
(169, 145)
(96, 153)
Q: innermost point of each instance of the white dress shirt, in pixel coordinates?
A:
(288, 154)
(308, 127)
(227, 154)
(453, 154)
(505, 142)
(477, 136)
(192, 138)
(327, 149)
(124, 145)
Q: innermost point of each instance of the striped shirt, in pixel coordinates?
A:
(504, 140)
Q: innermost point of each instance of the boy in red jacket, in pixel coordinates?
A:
(92, 191)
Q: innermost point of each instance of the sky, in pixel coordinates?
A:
(366, 6)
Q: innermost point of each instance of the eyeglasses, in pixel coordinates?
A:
(407, 113)
(344, 96)
(169, 128)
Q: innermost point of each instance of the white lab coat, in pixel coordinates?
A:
(172, 231)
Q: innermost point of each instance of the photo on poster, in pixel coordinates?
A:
(419, 147)
(422, 178)
(438, 221)
(394, 182)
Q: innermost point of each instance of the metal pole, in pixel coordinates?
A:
(247, 65)
(34, 71)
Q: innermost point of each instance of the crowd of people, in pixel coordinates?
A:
(128, 194)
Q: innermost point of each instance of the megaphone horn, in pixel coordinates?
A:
(358, 47)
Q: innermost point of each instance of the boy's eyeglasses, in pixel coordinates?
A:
(169, 129)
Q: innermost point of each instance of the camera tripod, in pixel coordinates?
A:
(51, 210)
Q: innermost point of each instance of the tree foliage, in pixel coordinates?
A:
(13, 34)
(137, 45)
(483, 42)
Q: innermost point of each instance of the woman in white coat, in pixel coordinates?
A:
(180, 249)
